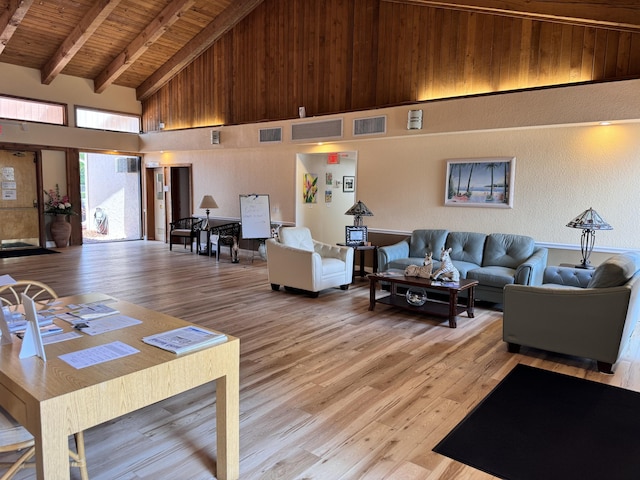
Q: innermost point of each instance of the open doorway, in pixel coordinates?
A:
(110, 193)
(323, 212)
(168, 198)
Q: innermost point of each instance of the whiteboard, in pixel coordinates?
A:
(255, 216)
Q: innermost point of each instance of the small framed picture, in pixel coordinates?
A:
(355, 235)
(348, 184)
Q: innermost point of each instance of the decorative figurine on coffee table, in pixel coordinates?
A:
(447, 270)
(423, 271)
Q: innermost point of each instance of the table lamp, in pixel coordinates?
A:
(208, 203)
(358, 211)
(588, 221)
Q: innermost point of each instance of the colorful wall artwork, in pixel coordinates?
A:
(310, 188)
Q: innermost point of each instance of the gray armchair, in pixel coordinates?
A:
(585, 313)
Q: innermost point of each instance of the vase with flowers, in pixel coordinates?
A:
(60, 207)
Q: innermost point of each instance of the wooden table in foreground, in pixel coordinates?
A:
(431, 307)
(54, 400)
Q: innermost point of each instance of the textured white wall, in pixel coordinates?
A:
(565, 163)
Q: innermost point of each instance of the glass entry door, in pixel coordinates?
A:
(19, 219)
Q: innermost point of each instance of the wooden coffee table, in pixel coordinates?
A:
(449, 309)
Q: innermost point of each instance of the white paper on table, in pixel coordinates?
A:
(67, 317)
(59, 337)
(107, 324)
(100, 354)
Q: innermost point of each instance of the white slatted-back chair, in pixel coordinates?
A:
(38, 291)
(13, 436)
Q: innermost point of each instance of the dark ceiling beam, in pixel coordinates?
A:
(141, 44)
(10, 18)
(77, 38)
(224, 22)
(612, 14)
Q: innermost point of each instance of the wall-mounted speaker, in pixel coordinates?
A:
(414, 121)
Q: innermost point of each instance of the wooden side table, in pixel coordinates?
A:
(362, 249)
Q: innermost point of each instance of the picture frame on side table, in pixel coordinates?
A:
(355, 236)
(480, 182)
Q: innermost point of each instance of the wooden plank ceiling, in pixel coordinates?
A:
(143, 44)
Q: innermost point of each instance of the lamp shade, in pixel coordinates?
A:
(589, 220)
(208, 202)
(359, 209)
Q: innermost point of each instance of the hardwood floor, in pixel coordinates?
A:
(329, 390)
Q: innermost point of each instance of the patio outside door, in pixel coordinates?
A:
(110, 190)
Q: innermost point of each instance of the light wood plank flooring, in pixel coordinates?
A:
(329, 390)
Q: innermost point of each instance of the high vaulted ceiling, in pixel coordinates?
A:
(142, 44)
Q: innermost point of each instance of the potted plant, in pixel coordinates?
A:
(60, 207)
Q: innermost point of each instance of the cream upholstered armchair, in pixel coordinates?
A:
(296, 261)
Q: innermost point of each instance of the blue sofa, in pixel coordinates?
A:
(495, 259)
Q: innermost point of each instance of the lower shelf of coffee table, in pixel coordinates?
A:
(431, 307)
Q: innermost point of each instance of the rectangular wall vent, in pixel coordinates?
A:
(317, 130)
(370, 126)
(270, 135)
(215, 137)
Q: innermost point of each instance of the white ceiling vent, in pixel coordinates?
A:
(317, 130)
(370, 126)
(270, 135)
(215, 137)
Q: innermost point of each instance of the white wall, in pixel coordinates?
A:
(25, 82)
(565, 163)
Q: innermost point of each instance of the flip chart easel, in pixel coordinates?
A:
(255, 216)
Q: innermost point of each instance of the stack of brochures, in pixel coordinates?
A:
(18, 322)
(185, 339)
(90, 312)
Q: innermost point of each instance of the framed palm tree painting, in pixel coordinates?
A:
(480, 182)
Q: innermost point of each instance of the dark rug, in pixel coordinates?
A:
(17, 245)
(25, 252)
(538, 424)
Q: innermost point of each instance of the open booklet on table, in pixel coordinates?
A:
(185, 339)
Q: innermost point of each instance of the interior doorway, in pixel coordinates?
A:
(19, 216)
(110, 194)
(335, 181)
(168, 198)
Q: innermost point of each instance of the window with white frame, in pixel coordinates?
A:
(106, 120)
(30, 110)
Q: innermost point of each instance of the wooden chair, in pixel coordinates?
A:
(15, 438)
(185, 228)
(38, 291)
